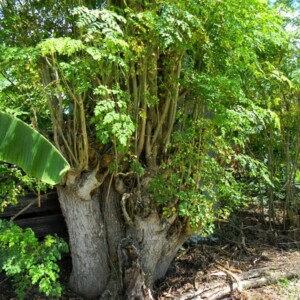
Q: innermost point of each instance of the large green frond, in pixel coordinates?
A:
(25, 147)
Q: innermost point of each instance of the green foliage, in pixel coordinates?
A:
(18, 73)
(297, 176)
(13, 183)
(207, 171)
(63, 46)
(176, 27)
(21, 25)
(111, 117)
(190, 93)
(42, 161)
(194, 179)
(103, 22)
(30, 262)
(102, 30)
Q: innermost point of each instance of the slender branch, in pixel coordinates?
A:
(75, 128)
(67, 146)
(4, 280)
(148, 139)
(78, 104)
(84, 134)
(142, 99)
(162, 120)
(57, 123)
(46, 79)
(38, 199)
(173, 109)
(57, 81)
(24, 209)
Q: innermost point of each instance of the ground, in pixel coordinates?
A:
(241, 246)
(200, 267)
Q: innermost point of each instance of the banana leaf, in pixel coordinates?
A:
(28, 149)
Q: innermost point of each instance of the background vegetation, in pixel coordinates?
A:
(201, 98)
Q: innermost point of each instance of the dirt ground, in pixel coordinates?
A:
(198, 268)
(238, 247)
(241, 246)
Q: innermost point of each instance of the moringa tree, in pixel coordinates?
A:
(150, 102)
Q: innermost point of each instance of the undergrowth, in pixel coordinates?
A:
(29, 262)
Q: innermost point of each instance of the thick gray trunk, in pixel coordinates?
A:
(160, 239)
(87, 243)
(116, 252)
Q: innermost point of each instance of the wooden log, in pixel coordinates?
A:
(43, 220)
(49, 202)
(44, 225)
(253, 279)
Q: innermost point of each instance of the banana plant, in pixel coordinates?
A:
(23, 146)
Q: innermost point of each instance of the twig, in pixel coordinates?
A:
(24, 209)
(232, 275)
(4, 280)
(38, 199)
(219, 292)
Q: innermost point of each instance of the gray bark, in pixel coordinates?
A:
(87, 239)
(160, 239)
(119, 247)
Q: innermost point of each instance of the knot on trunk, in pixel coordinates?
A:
(84, 183)
(130, 253)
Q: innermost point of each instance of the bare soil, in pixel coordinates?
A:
(245, 243)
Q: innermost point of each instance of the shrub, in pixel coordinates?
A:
(30, 262)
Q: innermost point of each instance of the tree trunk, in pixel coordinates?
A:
(87, 240)
(119, 245)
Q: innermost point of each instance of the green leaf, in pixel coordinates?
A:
(267, 179)
(25, 147)
(63, 45)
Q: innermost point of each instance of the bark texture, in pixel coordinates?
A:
(133, 280)
(87, 239)
(160, 239)
(119, 244)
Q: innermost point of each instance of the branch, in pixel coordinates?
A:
(128, 220)
(59, 107)
(38, 199)
(142, 98)
(219, 292)
(24, 209)
(173, 110)
(232, 276)
(85, 157)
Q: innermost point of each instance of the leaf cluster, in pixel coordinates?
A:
(29, 262)
(14, 183)
(111, 116)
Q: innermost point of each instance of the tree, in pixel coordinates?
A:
(278, 145)
(150, 104)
